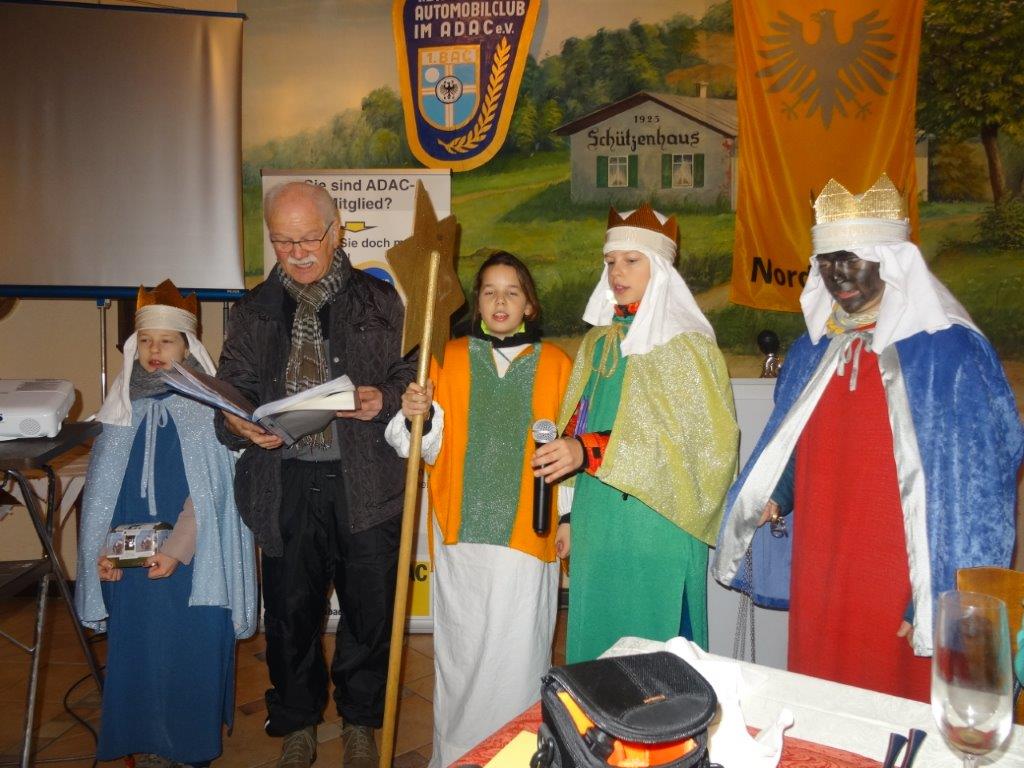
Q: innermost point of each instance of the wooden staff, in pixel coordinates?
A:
(412, 487)
(424, 265)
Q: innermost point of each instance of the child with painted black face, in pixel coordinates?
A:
(495, 583)
(854, 283)
(893, 404)
(649, 424)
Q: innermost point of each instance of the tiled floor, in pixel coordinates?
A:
(58, 735)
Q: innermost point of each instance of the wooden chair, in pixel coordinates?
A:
(1008, 586)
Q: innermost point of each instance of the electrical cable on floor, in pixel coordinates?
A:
(84, 723)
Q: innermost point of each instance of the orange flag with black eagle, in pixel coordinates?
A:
(825, 89)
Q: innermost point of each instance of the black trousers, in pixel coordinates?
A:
(320, 549)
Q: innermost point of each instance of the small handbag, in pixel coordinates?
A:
(643, 711)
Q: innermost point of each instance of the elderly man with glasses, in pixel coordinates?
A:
(327, 509)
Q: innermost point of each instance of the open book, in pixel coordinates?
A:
(290, 418)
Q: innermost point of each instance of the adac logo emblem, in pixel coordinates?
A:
(448, 85)
(460, 65)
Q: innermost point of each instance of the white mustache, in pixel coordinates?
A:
(303, 262)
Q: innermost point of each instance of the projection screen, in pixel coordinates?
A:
(119, 146)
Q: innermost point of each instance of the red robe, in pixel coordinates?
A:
(850, 579)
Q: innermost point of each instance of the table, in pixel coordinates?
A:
(837, 726)
(857, 720)
(70, 469)
(16, 458)
(796, 752)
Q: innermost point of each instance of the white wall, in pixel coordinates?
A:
(753, 407)
(60, 339)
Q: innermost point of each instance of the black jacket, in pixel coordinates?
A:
(365, 338)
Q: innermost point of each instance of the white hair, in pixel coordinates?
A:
(319, 195)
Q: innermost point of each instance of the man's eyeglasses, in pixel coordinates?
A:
(287, 246)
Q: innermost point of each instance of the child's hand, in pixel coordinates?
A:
(161, 566)
(562, 541)
(770, 512)
(416, 400)
(107, 571)
(906, 630)
(557, 459)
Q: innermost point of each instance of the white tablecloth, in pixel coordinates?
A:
(841, 716)
(855, 719)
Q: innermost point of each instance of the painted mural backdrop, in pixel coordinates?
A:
(628, 101)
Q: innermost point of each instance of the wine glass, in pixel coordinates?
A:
(971, 680)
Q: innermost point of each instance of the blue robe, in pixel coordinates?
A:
(170, 672)
(964, 439)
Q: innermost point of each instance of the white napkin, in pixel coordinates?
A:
(730, 745)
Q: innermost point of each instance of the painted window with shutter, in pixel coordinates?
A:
(619, 170)
(682, 171)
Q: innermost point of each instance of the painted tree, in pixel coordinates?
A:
(550, 118)
(718, 18)
(524, 127)
(970, 81)
(382, 108)
(385, 147)
(954, 172)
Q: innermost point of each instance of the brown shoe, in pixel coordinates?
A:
(298, 749)
(359, 750)
(153, 761)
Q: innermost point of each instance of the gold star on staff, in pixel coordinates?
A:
(410, 261)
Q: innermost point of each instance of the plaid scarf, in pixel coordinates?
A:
(307, 362)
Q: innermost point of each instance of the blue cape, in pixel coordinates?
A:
(970, 440)
(224, 572)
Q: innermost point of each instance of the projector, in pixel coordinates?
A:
(33, 407)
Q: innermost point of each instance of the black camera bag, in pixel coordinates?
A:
(651, 699)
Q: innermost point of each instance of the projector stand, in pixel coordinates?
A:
(17, 456)
(103, 305)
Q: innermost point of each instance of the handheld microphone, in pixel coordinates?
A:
(544, 432)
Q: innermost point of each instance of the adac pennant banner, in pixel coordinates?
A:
(825, 88)
(460, 63)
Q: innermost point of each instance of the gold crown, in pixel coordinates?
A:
(167, 294)
(881, 201)
(644, 217)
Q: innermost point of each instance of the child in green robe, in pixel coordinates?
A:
(649, 423)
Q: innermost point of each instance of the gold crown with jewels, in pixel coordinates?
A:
(881, 201)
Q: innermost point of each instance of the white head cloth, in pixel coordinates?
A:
(667, 307)
(913, 301)
(117, 407)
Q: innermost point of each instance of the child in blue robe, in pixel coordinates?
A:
(172, 623)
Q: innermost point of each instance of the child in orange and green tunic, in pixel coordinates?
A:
(495, 586)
